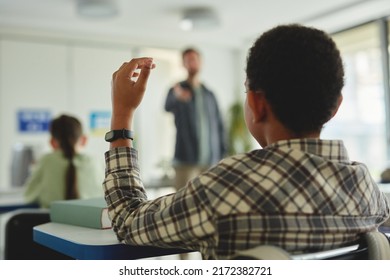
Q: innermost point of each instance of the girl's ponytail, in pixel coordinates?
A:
(67, 130)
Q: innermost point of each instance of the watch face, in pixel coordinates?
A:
(109, 135)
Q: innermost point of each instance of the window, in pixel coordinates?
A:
(361, 120)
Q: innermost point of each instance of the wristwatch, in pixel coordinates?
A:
(119, 134)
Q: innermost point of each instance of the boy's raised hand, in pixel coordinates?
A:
(129, 85)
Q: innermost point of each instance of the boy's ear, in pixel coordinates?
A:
(256, 103)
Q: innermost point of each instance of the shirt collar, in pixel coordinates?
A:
(333, 150)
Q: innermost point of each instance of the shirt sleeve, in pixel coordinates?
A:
(170, 101)
(179, 220)
(33, 185)
(90, 176)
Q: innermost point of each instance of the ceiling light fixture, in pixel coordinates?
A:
(97, 8)
(198, 18)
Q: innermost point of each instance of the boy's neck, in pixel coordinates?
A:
(278, 132)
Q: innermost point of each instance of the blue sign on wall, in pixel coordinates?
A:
(99, 122)
(33, 120)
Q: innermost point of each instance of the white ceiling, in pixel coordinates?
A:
(155, 22)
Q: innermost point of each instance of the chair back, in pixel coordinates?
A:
(373, 246)
(378, 246)
(18, 236)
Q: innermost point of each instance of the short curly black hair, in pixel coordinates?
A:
(300, 70)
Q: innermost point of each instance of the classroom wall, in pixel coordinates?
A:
(74, 76)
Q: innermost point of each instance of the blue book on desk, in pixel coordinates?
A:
(91, 213)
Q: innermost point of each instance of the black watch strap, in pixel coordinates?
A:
(119, 134)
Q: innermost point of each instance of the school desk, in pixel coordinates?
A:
(93, 244)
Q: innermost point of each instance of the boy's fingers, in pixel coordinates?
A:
(128, 71)
(146, 67)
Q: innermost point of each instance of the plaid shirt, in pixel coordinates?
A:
(303, 195)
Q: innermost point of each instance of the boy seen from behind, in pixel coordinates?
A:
(299, 192)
